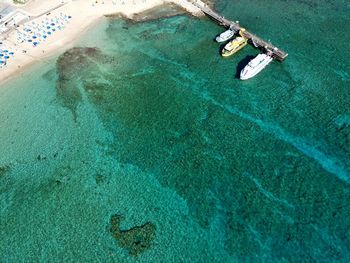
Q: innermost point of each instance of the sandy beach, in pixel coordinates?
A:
(82, 14)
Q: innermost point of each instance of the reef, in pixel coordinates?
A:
(136, 239)
(73, 67)
(165, 10)
(238, 158)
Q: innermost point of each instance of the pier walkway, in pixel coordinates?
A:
(253, 39)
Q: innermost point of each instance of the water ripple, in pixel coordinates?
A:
(328, 163)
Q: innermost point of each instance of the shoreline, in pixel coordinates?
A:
(27, 63)
(85, 14)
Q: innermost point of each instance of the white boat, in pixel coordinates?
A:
(225, 35)
(254, 66)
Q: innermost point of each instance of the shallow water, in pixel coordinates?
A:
(146, 123)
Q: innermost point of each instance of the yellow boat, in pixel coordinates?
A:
(234, 45)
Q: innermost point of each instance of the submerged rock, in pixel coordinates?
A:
(136, 239)
(4, 169)
(41, 157)
(99, 178)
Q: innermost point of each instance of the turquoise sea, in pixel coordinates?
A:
(141, 145)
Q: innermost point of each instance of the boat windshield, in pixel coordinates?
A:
(226, 33)
(256, 61)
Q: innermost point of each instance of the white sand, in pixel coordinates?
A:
(84, 14)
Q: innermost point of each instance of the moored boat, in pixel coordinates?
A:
(225, 35)
(233, 46)
(256, 65)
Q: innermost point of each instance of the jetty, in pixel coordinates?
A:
(257, 42)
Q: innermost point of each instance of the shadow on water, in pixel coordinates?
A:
(221, 47)
(242, 64)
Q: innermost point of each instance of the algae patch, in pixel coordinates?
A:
(136, 239)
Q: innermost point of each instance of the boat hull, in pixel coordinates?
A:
(249, 71)
(226, 53)
(227, 35)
